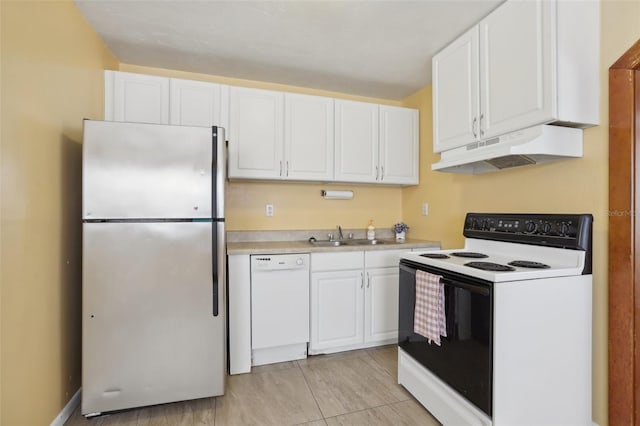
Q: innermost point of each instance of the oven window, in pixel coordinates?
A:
(464, 359)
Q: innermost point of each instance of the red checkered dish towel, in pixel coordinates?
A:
(429, 318)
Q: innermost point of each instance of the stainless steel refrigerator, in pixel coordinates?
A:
(153, 265)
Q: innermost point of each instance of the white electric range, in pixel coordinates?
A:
(518, 323)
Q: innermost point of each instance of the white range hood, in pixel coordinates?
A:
(535, 145)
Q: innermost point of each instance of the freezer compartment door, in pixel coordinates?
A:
(149, 334)
(142, 171)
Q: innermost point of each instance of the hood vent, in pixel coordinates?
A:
(511, 161)
(535, 145)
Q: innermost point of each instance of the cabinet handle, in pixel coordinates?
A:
(280, 168)
(377, 174)
(473, 127)
(381, 173)
(481, 131)
(361, 280)
(286, 169)
(368, 280)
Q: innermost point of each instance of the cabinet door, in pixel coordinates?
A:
(517, 67)
(255, 133)
(196, 103)
(136, 98)
(308, 137)
(399, 161)
(336, 309)
(456, 93)
(381, 305)
(356, 141)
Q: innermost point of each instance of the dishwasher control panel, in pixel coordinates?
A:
(279, 262)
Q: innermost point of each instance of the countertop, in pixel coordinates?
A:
(283, 247)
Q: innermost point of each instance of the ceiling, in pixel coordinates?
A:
(375, 48)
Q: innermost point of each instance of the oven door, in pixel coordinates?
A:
(464, 359)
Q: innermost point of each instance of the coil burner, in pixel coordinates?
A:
(489, 266)
(469, 254)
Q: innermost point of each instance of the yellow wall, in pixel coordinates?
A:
(51, 78)
(579, 186)
(298, 206)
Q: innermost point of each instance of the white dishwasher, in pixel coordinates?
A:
(279, 307)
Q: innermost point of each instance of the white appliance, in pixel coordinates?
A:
(518, 323)
(279, 307)
(153, 279)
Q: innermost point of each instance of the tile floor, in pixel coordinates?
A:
(349, 388)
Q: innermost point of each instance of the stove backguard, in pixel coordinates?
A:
(568, 231)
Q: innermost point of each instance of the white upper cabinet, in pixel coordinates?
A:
(256, 129)
(198, 103)
(356, 141)
(160, 100)
(517, 63)
(136, 98)
(399, 139)
(527, 63)
(376, 143)
(274, 135)
(308, 137)
(455, 92)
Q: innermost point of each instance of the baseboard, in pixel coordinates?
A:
(68, 410)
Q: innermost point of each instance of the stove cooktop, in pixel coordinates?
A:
(514, 261)
(516, 247)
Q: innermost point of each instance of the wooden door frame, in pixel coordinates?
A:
(624, 239)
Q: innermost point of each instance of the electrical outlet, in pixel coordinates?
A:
(425, 209)
(268, 210)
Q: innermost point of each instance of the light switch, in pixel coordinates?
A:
(268, 211)
(425, 209)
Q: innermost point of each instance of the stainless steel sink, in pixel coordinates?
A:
(338, 243)
(363, 242)
(327, 243)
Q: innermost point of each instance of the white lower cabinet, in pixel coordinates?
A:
(336, 309)
(381, 315)
(354, 300)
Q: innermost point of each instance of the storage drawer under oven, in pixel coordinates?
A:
(464, 359)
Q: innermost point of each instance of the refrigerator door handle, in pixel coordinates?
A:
(218, 175)
(219, 259)
(216, 274)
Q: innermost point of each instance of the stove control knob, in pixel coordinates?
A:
(485, 225)
(564, 229)
(530, 227)
(473, 224)
(546, 228)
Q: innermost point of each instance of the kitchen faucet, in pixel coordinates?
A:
(340, 236)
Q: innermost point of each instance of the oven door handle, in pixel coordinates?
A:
(474, 288)
(471, 287)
